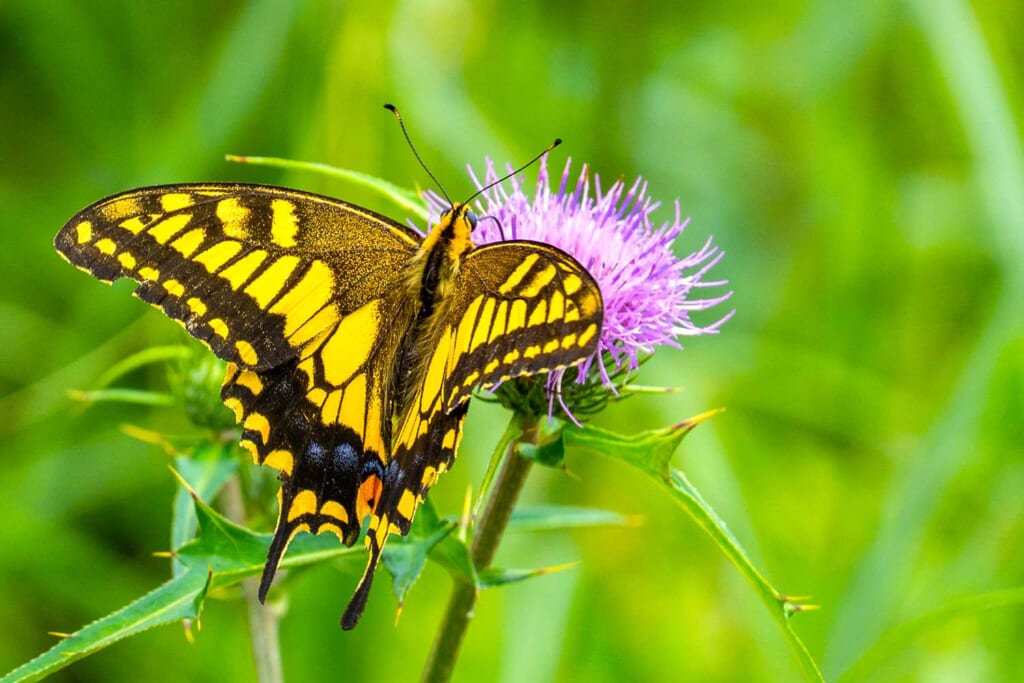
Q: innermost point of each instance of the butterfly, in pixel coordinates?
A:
(353, 344)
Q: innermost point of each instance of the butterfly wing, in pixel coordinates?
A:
(292, 289)
(517, 308)
(254, 272)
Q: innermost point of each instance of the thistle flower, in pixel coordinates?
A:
(647, 289)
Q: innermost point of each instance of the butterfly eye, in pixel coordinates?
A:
(471, 217)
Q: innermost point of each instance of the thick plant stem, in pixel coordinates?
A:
(263, 619)
(489, 530)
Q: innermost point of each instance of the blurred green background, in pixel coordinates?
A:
(859, 162)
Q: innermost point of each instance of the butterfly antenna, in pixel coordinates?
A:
(394, 110)
(519, 170)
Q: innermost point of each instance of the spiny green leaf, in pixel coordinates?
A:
(206, 470)
(180, 598)
(405, 560)
(651, 452)
(234, 552)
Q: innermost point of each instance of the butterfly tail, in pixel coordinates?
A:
(358, 602)
(282, 535)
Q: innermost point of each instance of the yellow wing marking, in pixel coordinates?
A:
(500, 323)
(83, 232)
(305, 304)
(187, 244)
(517, 275)
(336, 510)
(539, 314)
(351, 343)
(197, 306)
(407, 504)
(284, 224)
(127, 260)
(480, 324)
(280, 460)
(353, 405)
(135, 224)
(163, 231)
(556, 306)
(234, 217)
(239, 272)
(259, 423)
(247, 353)
(121, 208)
(219, 254)
(250, 380)
(517, 315)
(587, 335)
(172, 201)
(272, 280)
(106, 246)
(174, 288)
(539, 282)
(219, 327)
(304, 503)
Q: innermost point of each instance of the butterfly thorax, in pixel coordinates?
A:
(437, 261)
(432, 273)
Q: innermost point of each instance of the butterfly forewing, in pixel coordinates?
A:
(289, 287)
(254, 272)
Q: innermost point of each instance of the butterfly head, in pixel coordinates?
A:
(452, 231)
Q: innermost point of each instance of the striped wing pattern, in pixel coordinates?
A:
(304, 297)
(254, 272)
(519, 308)
(288, 287)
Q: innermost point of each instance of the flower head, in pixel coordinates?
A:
(647, 289)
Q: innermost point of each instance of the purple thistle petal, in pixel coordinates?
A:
(646, 288)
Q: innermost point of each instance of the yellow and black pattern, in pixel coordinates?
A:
(254, 272)
(353, 344)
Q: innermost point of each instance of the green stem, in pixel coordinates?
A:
(406, 199)
(487, 536)
(263, 619)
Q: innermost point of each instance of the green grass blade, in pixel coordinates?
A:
(403, 198)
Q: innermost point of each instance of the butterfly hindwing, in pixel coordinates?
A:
(521, 308)
(255, 272)
(517, 308)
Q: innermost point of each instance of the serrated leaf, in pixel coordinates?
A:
(206, 470)
(552, 517)
(221, 556)
(651, 452)
(180, 598)
(405, 560)
(430, 536)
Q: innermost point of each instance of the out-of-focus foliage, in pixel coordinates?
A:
(861, 164)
